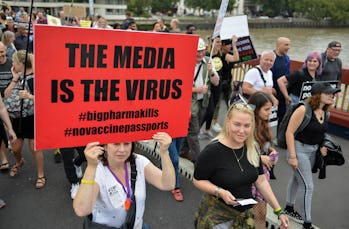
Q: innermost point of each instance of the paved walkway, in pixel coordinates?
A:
(51, 207)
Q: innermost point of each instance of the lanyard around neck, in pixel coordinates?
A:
(127, 190)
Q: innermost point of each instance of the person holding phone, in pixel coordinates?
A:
(225, 171)
(263, 104)
(105, 188)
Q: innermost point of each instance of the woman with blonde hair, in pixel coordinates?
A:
(22, 116)
(8, 38)
(225, 171)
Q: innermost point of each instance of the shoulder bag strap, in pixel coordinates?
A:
(197, 73)
(262, 76)
(133, 177)
(131, 213)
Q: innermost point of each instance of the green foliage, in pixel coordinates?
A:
(274, 8)
(139, 7)
(340, 12)
(208, 4)
(163, 6)
(335, 10)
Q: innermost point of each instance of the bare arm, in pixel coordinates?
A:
(15, 78)
(295, 121)
(6, 119)
(248, 89)
(9, 88)
(87, 194)
(282, 81)
(201, 90)
(212, 189)
(236, 56)
(213, 75)
(164, 179)
(264, 187)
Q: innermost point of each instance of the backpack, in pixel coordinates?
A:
(281, 136)
(236, 95)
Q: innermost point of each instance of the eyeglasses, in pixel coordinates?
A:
(242, 106)
(336, 50)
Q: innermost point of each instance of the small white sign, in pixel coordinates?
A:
(237, 26)
(51, 20)
(243, 202)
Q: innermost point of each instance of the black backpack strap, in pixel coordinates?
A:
(307, 117)
(133, 177)
(327, 116)
(262, 76)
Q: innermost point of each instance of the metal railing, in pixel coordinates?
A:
(342, 101)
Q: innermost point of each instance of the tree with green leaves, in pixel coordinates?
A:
(274, 8)
(139, 7)
(163, 6)
(208, 4)
(336, 10)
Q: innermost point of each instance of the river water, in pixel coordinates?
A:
(303, 40)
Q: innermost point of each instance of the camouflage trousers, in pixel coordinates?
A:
(213, 212)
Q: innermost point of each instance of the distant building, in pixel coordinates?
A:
(109, 9)
(239, 7)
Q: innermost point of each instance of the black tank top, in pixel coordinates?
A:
(313, 133)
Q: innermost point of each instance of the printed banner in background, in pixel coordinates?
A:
(306, 88)
(246, 49)
(110, 85)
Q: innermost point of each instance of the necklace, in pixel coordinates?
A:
(238, 159)
(320, 115)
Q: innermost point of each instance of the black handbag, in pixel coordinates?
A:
(237, 96)
(131, 213)
(334, 156)
(334, 151)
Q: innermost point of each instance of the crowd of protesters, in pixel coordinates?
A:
(268, 80)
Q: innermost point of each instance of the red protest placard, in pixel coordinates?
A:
(109, 85)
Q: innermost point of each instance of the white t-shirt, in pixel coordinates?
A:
(199, 82)
(254, 78)
(109, 208)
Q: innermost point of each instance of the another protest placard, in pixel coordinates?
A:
(221, 14)
(74, 11)
(110, 85)
(238, 26)
(51, 20)
(306, 88)
(246, 49)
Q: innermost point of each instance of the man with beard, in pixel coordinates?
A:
(331, 63)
